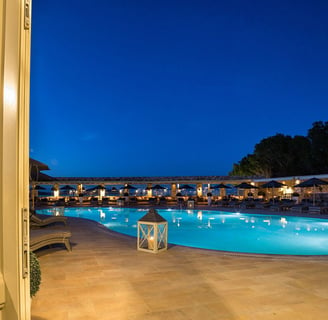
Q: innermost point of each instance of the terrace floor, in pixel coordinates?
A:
(105, 277)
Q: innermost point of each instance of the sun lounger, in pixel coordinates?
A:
(35, 221)
(299, 208)
(45, 237)
(314, 210)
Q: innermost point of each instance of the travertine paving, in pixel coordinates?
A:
(105, 277)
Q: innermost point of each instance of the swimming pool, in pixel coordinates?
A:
(225, 231)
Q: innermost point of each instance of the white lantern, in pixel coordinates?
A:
(152, 232)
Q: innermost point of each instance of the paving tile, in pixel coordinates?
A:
(105, 277)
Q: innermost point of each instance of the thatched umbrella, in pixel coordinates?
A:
(221, 186)
(128, 187)
(158, 187)
(273, 184)
(35, 168)
(245, 185)
(39, 188)
(313, 182)
(67, 188)
(186, 187)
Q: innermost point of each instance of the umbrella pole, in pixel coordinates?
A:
(313, 195)
(272, 196)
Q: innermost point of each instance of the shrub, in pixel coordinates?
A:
(35, 274)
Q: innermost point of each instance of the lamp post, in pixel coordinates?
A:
(152, 232)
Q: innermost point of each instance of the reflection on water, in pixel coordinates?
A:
(221, 230)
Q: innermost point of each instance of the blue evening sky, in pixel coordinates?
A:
(174, 87)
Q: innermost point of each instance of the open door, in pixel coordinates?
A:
(14, 159)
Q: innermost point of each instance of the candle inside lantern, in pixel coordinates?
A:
(151, 242)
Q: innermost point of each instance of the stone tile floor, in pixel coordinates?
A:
(105, 277)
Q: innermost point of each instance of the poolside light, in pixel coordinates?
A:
(191, 203)
(152, 232)
(102, 192)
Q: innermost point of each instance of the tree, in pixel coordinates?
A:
(283, 155)
(318, 136)
(301, 163)
(249, 166)
(273, 154)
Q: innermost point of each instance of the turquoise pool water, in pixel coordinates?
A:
(217, 230)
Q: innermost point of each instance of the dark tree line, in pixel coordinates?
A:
(283, 155)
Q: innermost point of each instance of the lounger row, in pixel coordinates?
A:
(35, 221)
(45, 237)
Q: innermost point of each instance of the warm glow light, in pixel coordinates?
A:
(289, 190)
(151, 242)
(56, 193)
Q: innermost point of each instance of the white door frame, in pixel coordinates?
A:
(14, 160)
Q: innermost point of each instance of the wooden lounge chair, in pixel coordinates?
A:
(35, 221)
(44, 237)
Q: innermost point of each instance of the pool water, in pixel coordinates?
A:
(218, 230)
